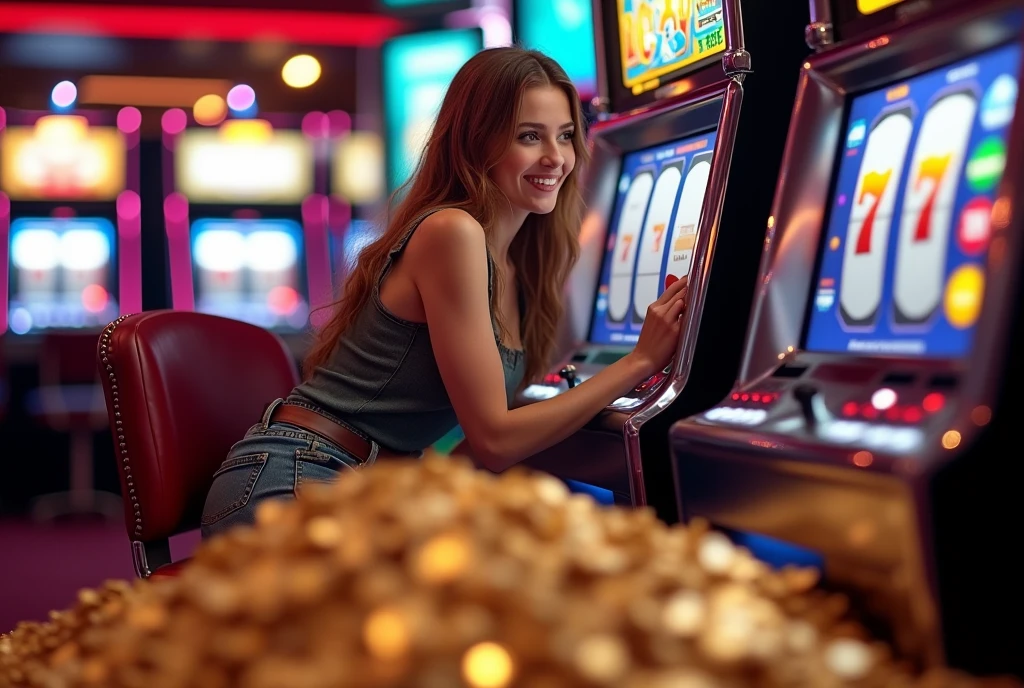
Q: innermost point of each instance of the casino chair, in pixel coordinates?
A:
(69, 399)
(181, 388)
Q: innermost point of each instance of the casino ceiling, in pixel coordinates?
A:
(227, 41)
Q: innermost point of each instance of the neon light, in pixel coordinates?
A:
(217, 24)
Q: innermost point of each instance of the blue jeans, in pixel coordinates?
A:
(272, 461)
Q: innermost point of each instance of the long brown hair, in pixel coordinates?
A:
(475, 127)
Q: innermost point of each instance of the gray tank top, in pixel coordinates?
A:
(382, 378)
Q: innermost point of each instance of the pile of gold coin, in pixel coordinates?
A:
(431, 574)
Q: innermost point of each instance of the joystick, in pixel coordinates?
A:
(811, 405)
(568, 373)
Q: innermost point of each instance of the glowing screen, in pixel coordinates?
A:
(417, 70)
(652, 236)
(251, 270)
(903, 262)
(872, 6)
(244, 161)
(563, 29)
(61, 157)
(345, 249)
(659, 37)
(63, 274)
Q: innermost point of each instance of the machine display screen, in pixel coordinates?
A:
(251, 270)
(872, 6)
(63, 273)
(658, 38)
(652, 235)
(902, 265)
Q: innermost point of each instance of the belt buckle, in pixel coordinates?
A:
(372, 458)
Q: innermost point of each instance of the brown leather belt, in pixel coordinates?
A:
(334, 433)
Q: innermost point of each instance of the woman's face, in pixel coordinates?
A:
(541, 156)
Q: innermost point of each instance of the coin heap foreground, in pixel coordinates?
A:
(431, 574)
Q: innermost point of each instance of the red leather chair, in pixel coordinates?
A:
(181, 388)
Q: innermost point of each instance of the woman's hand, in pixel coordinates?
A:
(659, 336)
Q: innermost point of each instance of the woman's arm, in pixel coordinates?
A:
(447, 259)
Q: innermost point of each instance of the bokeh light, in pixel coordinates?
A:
(64, 95)
(209, 110)
(301, 71)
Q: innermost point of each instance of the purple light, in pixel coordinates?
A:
(3, 118)
(241, 98)
(129, 120)
(842, 199)
(173, 121)
(339, 122)
(64, 94)
(176, 208)
(129, 205)
(315, 124)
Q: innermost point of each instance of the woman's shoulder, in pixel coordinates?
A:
(448, 233)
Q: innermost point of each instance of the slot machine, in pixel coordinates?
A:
(70, 227)
(873, 418)
(679, 185)
(246, 215)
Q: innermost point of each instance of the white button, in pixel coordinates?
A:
(844, 430)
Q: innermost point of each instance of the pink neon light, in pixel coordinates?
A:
(315, 125)
(318, 259)
(173, 121)
(179, 252)
(3, 118)
(129, 119)
(241, 97)
(5, 240)
(129, 230)
(339, 122)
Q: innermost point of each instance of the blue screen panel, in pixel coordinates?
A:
(251, 270)
(63, 274)
(653, 233)
(417, 69)
(902, 266)
(563, 30)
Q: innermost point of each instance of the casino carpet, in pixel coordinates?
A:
(42, 567)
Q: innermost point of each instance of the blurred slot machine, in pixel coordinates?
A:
(70, 227)
(874, 419)
(417, 69)
(357, 179)
(679, 186)
(563, 30)
(246, 217)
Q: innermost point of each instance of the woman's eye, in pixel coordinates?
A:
(567, 136)
(529, 136)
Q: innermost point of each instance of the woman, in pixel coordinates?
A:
(454, 306)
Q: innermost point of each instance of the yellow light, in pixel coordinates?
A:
(301, 71)
(359, 168)
(247, 131)
(872, 6)
(386, 634)
(951, 439)
(210, 110)
(487, 665)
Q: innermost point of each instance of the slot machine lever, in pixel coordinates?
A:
(568, 373)
(811, 405)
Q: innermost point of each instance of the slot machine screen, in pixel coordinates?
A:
(652, 235)
(345, 250)
(251, 270)
(417, 69)
(563, 30)
(658, 39)
(902, 267)
(63, 273)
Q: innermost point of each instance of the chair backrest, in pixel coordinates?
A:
(181, 388)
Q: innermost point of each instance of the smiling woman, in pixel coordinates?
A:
(455, 306)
